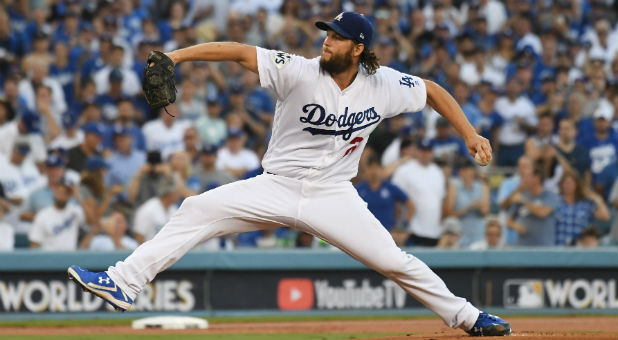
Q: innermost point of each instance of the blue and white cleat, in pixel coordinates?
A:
(100, 285)
(490, 325)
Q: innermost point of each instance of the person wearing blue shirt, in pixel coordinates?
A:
(125, 162)
(490, 121)
(602, 145)
(126, 119)
(445, 146)
(461, 93)
(63, 71)
(382, 196)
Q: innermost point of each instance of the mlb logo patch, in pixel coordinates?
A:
(523, 293)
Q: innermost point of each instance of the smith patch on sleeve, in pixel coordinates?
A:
(280, 58)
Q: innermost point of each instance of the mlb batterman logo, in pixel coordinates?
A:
(295, 294)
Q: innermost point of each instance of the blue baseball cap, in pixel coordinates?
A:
(423, 144)
(235, 132)
(209, 149)
(95, 128)
(31, 121)
(54, 160)
(69, 119)
(120, 130)
(23, 148)
(95, 163)
(350, 25)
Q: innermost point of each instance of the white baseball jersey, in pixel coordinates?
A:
(317, 139)
(57, 230)
(319, 131)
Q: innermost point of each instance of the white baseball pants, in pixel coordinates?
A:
(332, 212)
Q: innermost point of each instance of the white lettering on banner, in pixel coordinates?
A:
(557, 292)
(11, 295)
(350, 295)
(41, 288)
(578, 293)
(58, 296)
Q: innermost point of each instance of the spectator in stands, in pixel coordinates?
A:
(446, 146)
(155, 212)
(565, 155)
(258, 103)
(43, 197)
(532, 214)
(56, 227)
(71, 135)
(19, 178)
(576, 210)
(211, 128)
(383, 198)
(127, 119)
(192, 144)
(187, 183)
(424, 183)
(25, 129)
(96, 198)
(468, 200)
(493, 237)
(238, 106)
(234, 157)
(130, 84)
(519, 116)
(588, 238)
(602, 147)
(451, 234)
(537, 145)
(508, 188)
(490, 122)
(189, 106)
(165, 134)
(63, 71)
(91, 147)
(7, 234)
(50, 119)
(206, 170)
(461, 93)
(39, 75)
(125, 161)
(110, 234)
(143, 186)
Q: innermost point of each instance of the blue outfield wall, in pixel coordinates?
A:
(547, 281)
(294, 259)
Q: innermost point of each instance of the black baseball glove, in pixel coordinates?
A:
(158, 80)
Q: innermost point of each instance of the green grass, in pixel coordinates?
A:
(239, 336)
(219, 319)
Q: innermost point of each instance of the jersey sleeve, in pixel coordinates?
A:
(407, 92)
(279, 71)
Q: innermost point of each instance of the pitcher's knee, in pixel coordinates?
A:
(395, 264)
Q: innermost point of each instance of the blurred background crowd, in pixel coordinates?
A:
(86, 164)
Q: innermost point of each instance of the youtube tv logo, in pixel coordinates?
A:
(295, 294)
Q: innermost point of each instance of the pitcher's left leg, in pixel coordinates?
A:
(339, 216)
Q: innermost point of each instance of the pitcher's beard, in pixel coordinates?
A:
(337, 64)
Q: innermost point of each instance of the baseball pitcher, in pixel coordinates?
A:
(326, 109)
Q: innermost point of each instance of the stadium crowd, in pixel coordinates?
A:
(84, 162)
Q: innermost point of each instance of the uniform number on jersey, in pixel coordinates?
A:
(409, 82)
(280, 58)
(355, 142)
